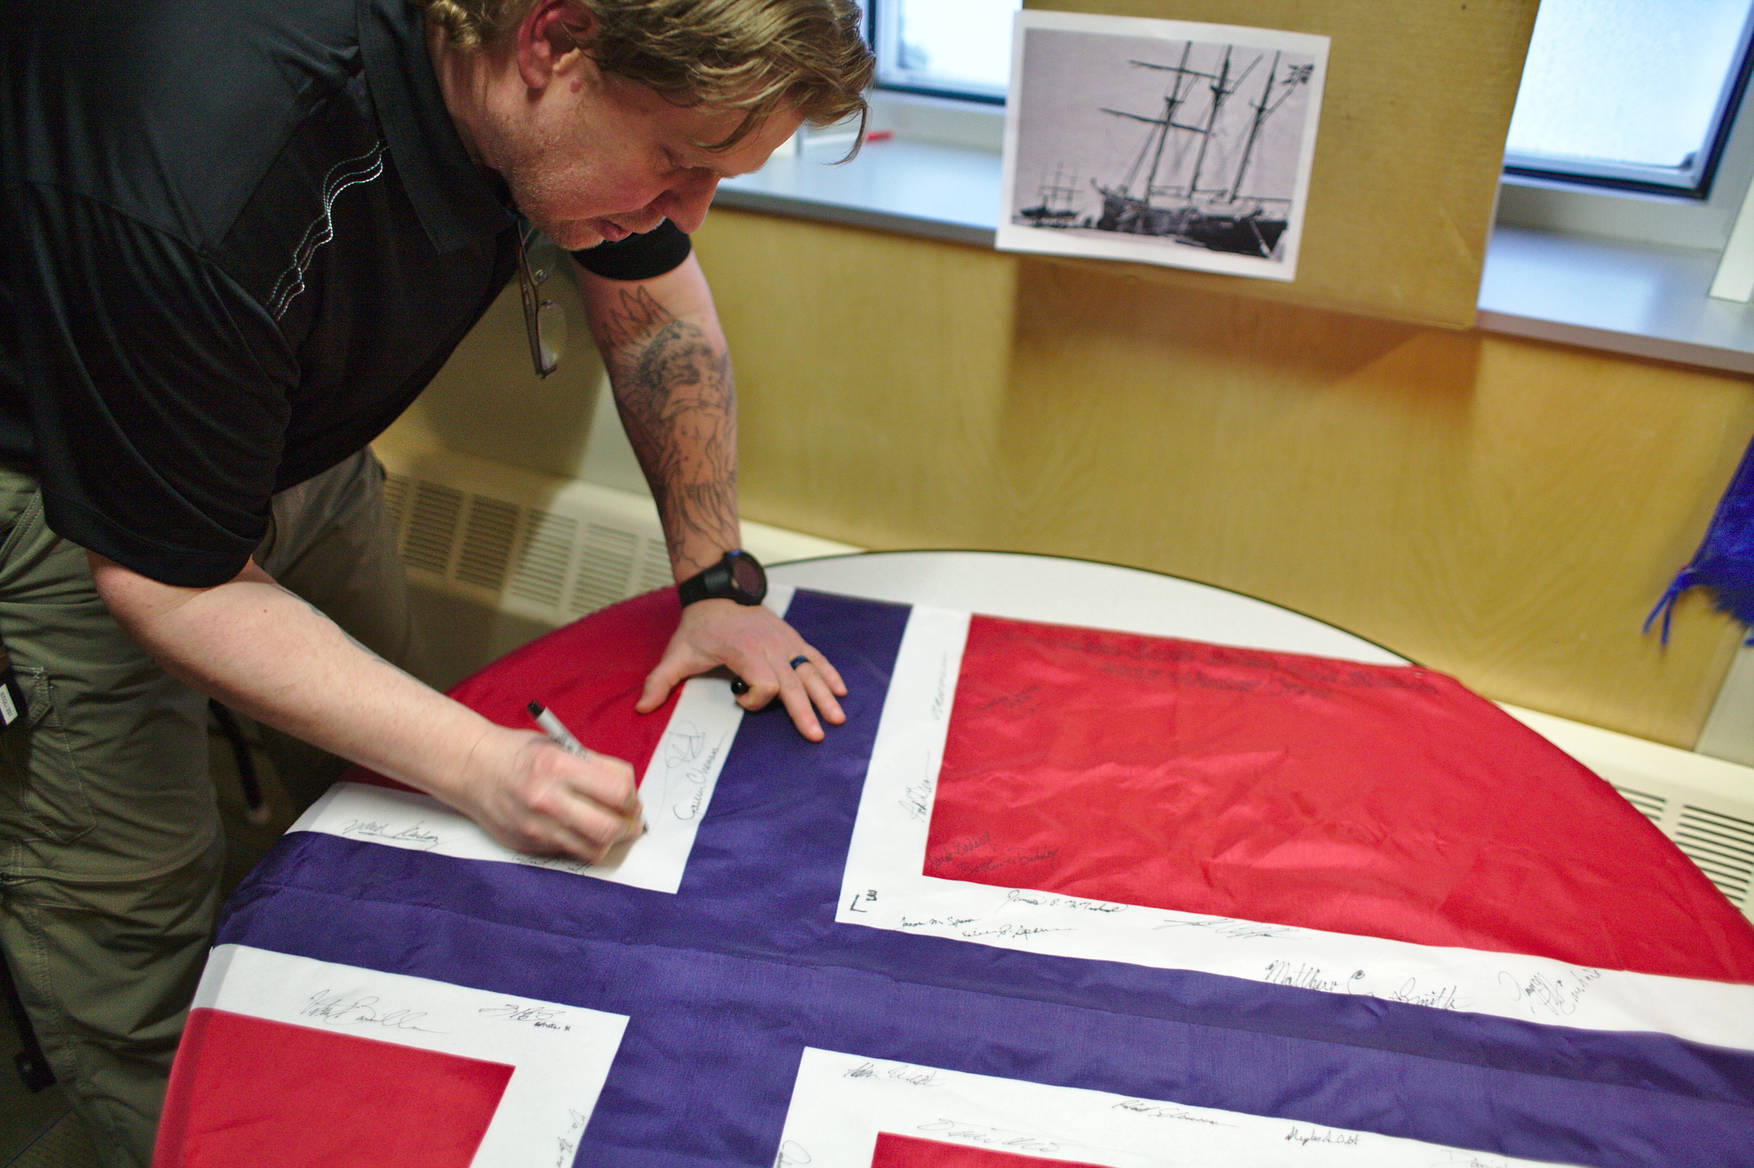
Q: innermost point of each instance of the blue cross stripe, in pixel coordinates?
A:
(727, 981)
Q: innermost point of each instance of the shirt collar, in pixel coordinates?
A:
(457, 202)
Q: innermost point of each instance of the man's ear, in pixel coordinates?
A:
(549, 32)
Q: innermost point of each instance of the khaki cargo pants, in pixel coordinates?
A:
(110, 841)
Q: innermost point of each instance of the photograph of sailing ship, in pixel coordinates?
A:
(1160, 141)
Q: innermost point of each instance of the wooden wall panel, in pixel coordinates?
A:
(1505, 511)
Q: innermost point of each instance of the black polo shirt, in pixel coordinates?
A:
(241, 236)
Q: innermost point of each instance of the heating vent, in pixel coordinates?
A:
(1723, 847)
(546, 549)
(1721, 844)
(1704, 804)
(487, 543)
(1653, 806)
(432, 527)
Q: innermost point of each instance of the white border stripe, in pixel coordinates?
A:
(841, 1102)
(883, 888)
(560, 1054)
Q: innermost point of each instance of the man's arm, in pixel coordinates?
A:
(671, 373)
(266, 653)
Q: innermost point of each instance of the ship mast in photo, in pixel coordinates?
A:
(1221, 217)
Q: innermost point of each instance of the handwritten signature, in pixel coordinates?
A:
(540, 1017)
(1050, 900)
(568, 1141)
(416, 834)
(916, 798)
(792, 1155)
(1321, 1135)
(941, 698)
(1155, 1110)
(990, 1137)
(1558, 996)
(362, 1009)
(1308, 977)
(1224, 927)
(689, 757)
(911, 1075)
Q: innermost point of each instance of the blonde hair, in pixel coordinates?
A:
(753, 56)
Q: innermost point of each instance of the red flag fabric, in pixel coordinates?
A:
(1384, 801)
(249, 1085)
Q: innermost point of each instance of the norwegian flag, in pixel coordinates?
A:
(1052, 896)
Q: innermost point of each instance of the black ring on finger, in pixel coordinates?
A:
(798, 660)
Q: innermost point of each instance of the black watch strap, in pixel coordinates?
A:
(736, 576)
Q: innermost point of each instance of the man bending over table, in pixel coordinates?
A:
(242, 235)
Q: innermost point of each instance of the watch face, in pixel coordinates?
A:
(747, 575)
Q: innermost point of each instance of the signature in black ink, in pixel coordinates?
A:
(1021, 701)
(941, 698)
(1156, 1110)
(916, 799)
(1015, 932)
(964, 864)
(362, 1009)
(417, 834)
(1224, 927)
(568, 1141)
(1443, 997)
(990, 1137)
(683, 744)
(555, 863)
(950, 853)
(540, 1017)
(1308, 977)
(908, 922)
(687, 757)
(1050, 900)
(1558, 995)
(912, 1076)
(792, 1155)
(1318, 1135)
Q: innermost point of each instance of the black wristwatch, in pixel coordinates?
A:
(738, 576)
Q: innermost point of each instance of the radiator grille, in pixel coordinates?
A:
(539, 548)
(604, 575)
(432, 527)
(487, 542)
(1652, 805)
(1723, 847)
(1720, 843)
(545, 555)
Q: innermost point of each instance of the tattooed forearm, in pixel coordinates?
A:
(636, 317)
(674, 390)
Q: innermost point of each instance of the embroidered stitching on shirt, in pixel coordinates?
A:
(351, 172)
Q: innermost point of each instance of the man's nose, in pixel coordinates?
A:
(686, 203)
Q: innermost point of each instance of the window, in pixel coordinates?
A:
(959, 49)
(1625, 126)
(1631, 93)
(1628, 124)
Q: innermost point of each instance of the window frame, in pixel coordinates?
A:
(1695, 181)
(1530, 197)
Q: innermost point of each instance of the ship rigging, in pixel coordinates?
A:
(1220, 217)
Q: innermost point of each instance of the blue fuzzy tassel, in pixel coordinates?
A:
(1724, 562)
